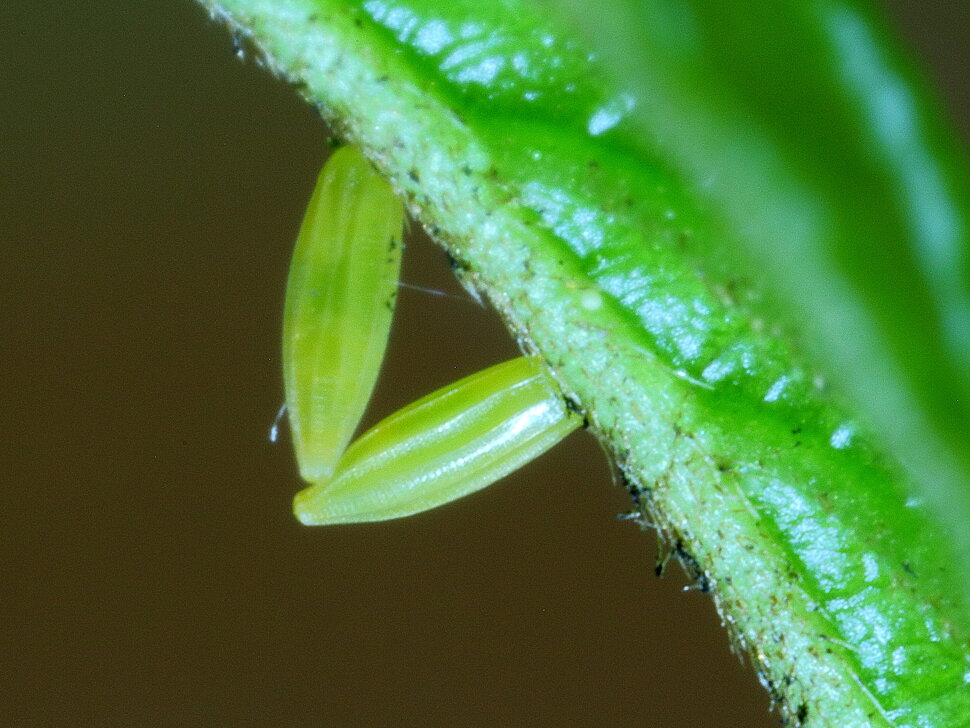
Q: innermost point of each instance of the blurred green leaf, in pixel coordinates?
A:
(815, 144)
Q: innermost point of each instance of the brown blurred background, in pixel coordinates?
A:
(152, 574)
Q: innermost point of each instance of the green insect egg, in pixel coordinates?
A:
(340, 299)
(446, 445)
